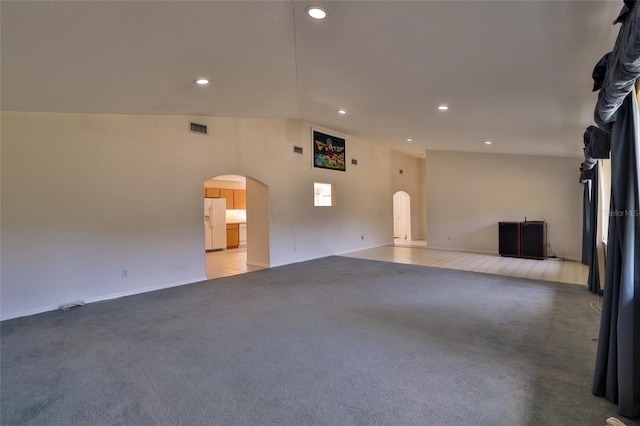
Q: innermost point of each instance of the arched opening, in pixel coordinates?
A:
(401, 217)
(236, 225)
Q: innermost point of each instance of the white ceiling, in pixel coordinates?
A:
(514, 72)
(231, 178)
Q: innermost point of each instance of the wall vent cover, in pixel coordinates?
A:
(197, 128)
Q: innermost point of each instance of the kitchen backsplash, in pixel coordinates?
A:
(236, 216)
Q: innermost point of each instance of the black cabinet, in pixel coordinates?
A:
(523, 239)
(533, 237)
(509, 239)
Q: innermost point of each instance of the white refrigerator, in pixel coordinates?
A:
(215, 223)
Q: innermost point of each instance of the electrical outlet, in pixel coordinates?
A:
(362, 237)
(125, 274)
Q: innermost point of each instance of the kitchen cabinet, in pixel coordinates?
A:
(233, 235)
(211, 193)
(236, 198)
(228, 195)
(239, 199)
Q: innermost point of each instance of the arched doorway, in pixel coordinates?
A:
(401, 216)
(239, 242)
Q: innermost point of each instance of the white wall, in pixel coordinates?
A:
(258, 224)
(469, 193)
(85, 196)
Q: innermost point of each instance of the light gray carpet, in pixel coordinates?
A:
(334, 341)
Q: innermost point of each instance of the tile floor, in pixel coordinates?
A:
(543, 270)
(228, 262)
(233, 262)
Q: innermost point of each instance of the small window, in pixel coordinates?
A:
(322, 194)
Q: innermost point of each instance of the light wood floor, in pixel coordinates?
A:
(233, 262)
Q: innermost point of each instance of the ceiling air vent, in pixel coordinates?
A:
(198, 128)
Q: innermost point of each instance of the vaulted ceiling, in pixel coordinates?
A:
(517, 73)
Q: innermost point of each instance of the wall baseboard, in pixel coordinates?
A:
(363, 248)
(112, 296)
(145, 290)
(28, 312)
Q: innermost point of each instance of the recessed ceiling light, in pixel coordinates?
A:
(488, 142)
(342, 111)
(317, 12)
(201, 81)
(409, 140)
(443, 107)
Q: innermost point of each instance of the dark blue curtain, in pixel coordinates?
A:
(594, 269)
(589, 178)
(586, 222)
(617, 372)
